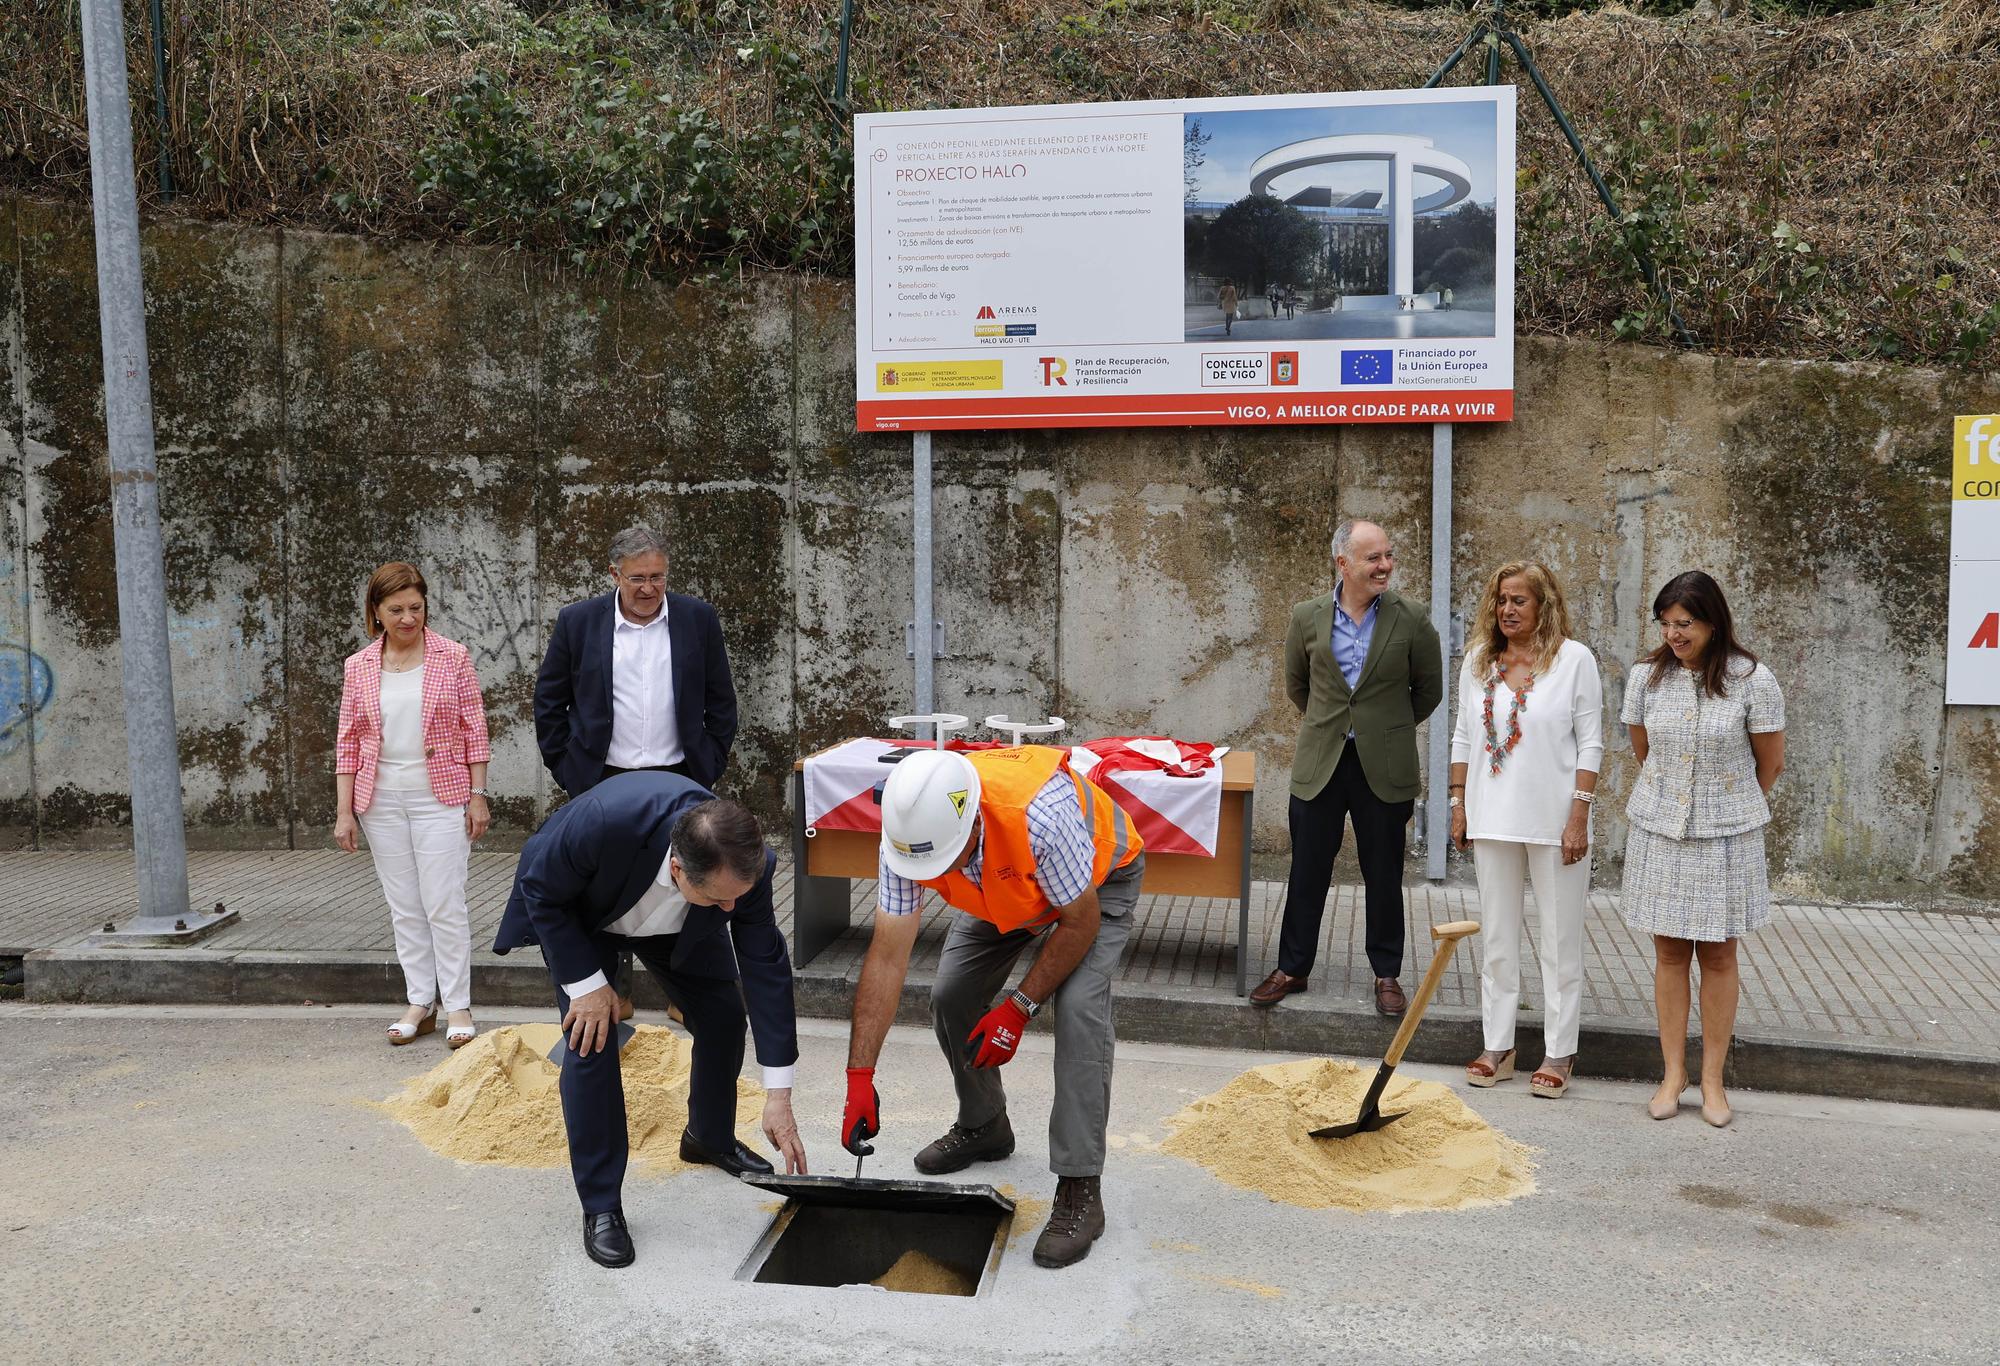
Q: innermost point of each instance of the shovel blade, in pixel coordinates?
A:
(1368, 1123)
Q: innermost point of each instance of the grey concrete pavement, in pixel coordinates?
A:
(1872, 1001)
(211, 1185)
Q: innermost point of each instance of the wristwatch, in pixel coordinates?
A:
(1457, 800)
(478, 791)
(1029, 1008)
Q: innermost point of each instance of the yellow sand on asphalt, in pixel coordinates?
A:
(1254, 1134)
(495, 1100)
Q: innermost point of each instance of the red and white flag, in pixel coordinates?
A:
(1172, 790)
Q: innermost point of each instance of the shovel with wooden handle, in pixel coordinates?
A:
(1371, 1116)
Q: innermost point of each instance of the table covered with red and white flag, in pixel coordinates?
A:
(1192, 804)
(1171, 789)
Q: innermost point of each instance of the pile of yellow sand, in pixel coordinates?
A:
(495, 1100)
(919, 1273)
(1253, 1133)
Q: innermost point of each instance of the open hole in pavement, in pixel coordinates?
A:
(921, 1252)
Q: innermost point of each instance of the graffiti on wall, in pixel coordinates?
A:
(27, 684)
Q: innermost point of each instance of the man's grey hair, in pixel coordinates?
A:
(1343, 536)
(638, 539)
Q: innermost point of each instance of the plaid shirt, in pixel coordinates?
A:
(454, 720)
(1063, 846)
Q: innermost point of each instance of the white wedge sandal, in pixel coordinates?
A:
(459, 1035)
(403, 1032)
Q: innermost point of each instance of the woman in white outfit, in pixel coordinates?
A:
(410, 767)
(1524, 759)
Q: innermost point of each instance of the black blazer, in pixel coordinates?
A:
(573, 691)
(592, 861)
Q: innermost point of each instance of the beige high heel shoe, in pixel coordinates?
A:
(1667, 1109)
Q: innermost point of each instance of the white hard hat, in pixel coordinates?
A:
(928, 807)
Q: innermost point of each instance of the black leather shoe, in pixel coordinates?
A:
(606, 1239)
(737, 1160)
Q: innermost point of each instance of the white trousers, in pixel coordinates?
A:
(421, 855)
(1504, 866)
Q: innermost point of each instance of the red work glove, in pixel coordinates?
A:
(862, 1119)
(994, 1039)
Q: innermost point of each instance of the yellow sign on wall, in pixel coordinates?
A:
(1972, 615)
(1975, 459)
(936, 376)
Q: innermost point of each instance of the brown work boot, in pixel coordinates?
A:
(961, 1147)
(1076, 1222)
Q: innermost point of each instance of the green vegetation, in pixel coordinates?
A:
(1260, 241)
(1812, 177)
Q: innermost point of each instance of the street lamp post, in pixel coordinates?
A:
(159, 838)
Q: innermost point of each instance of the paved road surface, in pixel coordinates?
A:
(210, 1185)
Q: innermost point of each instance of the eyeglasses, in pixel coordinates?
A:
(643, 580)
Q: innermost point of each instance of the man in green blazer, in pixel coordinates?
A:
(1364, 666)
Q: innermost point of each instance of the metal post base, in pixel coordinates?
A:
(161, 932)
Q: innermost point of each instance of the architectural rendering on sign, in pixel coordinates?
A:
(1341, 221)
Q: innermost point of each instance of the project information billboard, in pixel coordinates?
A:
(1276, 259)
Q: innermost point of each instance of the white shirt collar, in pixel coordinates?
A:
(665, 877)
(626, 623)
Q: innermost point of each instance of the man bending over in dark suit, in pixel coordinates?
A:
(653, 864)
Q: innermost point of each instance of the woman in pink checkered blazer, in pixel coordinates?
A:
(410, 772)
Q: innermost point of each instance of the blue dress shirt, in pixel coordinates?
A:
(1352, 638)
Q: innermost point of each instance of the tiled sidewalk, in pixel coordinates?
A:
(1860, 974)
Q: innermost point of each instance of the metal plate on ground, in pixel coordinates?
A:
(868, 1192)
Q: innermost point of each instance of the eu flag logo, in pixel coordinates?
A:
(1367, 367)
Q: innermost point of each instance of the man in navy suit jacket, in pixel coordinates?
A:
(636, 678)
(654, 865)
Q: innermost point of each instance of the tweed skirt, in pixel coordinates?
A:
(1705, 889)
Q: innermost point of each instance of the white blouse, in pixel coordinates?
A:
(401, 767)
(1562, 733)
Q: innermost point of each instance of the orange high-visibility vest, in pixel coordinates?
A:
(1007, 894)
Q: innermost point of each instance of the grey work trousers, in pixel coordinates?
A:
(973, 966)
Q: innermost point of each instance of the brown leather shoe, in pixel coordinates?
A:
(1276, 988)
(1389, 998)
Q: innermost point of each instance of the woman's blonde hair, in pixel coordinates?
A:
(1484, 641)
(391, 579)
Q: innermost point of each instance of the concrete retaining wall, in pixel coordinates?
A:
(326, 403)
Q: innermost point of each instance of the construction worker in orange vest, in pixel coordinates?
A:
(1024, 848)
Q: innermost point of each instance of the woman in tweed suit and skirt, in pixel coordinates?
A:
(1708, 726)
(410, 770)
